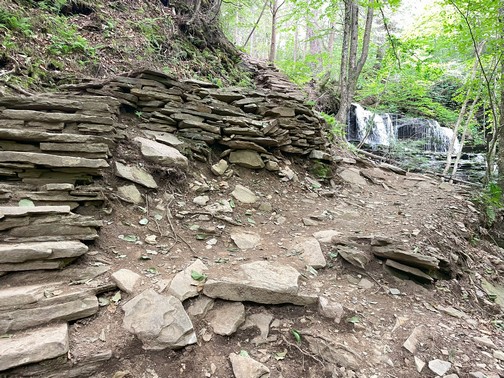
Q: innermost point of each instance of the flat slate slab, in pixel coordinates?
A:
(49, 160)
(22, 211)
(35, 346)
(135, 174)
(260, 282)
(21, 252)
(161, 153)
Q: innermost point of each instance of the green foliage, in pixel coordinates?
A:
(490, 199)
(151, 30)
(15, 23)
(337, 130)
(65, 38)
(321, 170)
(410, 154)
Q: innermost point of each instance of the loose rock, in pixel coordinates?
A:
(246, 367)
(226, 318)
(330, 309)
(439, 367)
(130, 193)
(310, 251)
(246, 158)
(243, 194)
(246, 239)
(126, 280)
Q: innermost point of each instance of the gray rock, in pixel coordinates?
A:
(243, 194)
(161, 154)
(17, 211)
(352, 176)
(266, 207)
(159, 321)
(246, 367)
(477, 374)
(262, 321)
(419, 364)
(394, 291)
(201, 200)
(166, 138)
(34, 346)
(49, 160)
(57, 187)
(332, 353)
(330, 309)
(72, 305)
(226, 318)
(222, 206)
(485, 341)
(130, 194)
(498, 354)
(260, 282)
(404, 256)
(365, 284)
(201, 306)
(135, 174)
(354, 256)
(16, 253)
(272, 166)
(247, 159)
(310, 222)
(412, 342)
(183, 286)
(126, 280)
(246, 239)
(320, 155)
(439, 367)
(220, 168)
(409, 270)
(326, 236)
(309, 250)
(288, 174)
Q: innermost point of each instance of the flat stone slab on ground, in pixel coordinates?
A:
(159, 321)
(135, 174)
(246, 239)
(34, 346)
(183, 286)
(310, 251)
(246, 158)
(247, 367)
(131, 194)
(325, 236)
(243, 194)
(226, 318)
(126, 280)
(260, 282)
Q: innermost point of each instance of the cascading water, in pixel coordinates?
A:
(384, 129)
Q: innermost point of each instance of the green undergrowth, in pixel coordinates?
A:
(51, 42)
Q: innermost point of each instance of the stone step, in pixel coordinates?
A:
(34, 346)
(16, 253)
(23, 307)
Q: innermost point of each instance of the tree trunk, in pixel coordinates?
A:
(272, 51)
(351, 68)
(500, 158)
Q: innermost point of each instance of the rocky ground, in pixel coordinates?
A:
(220, 268)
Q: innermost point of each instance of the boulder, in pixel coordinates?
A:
(161, 154)
(159, 321)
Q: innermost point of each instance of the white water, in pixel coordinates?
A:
(381, 130)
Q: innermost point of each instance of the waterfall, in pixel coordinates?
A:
(384, 129)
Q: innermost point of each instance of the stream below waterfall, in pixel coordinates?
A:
(417, 143)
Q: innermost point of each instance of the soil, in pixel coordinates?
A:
(411, 208)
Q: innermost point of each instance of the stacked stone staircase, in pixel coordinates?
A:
(55, 150)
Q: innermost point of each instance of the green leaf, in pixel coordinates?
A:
(117, 297)
(194, 227)
(158, 217)
(280, 355)
(129, 238)
(143, 221)
(251, 221)
(354, 320)
(232, 204)
(102, 301)
(26, 203)
(244, 353)
(201, 236)
(296, 335)
(198, 276)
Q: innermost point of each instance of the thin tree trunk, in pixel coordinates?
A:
(500, 161)
(464, 133)
(341, 116)
(257, 22)
(272, 51)
(462, 112)
(296, 44)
